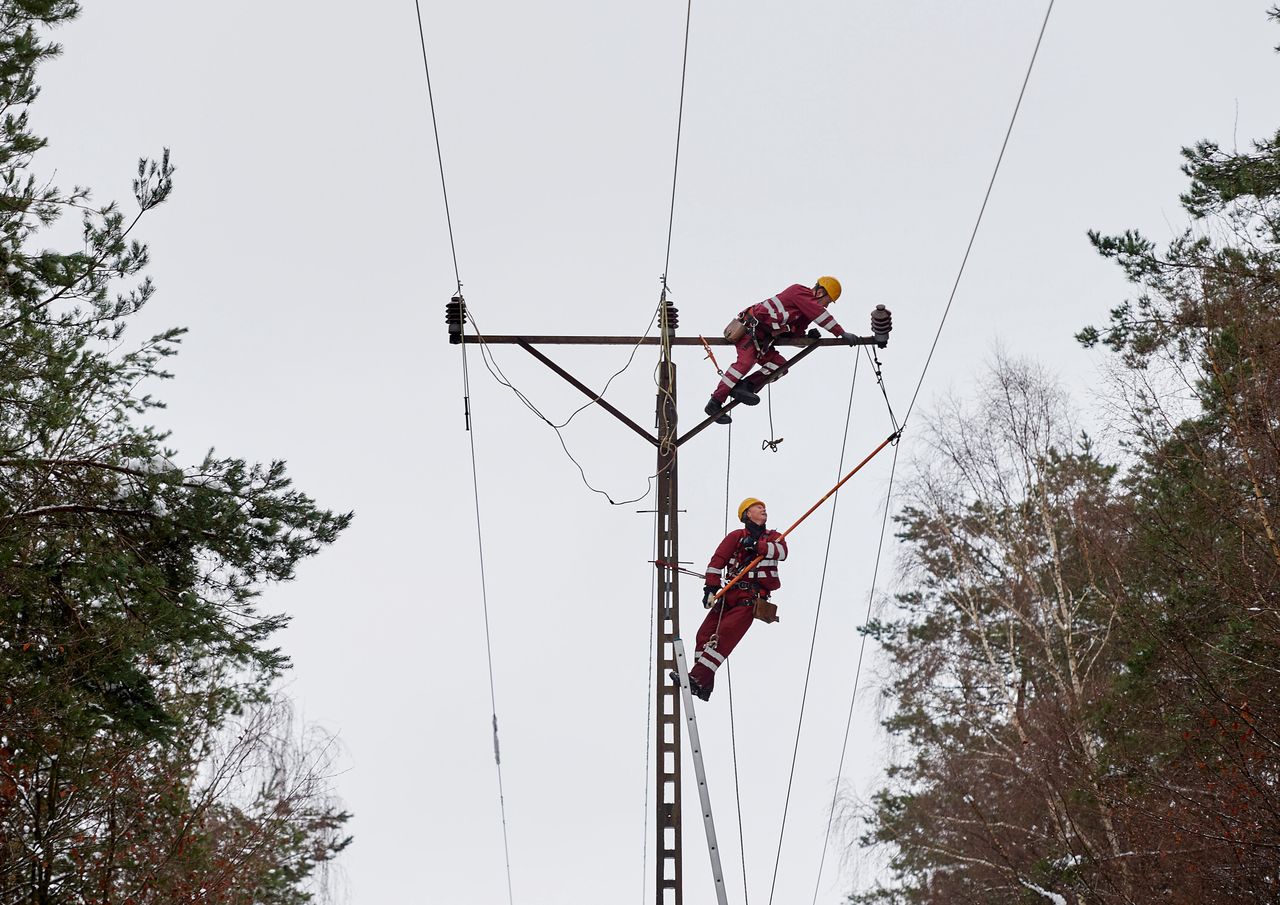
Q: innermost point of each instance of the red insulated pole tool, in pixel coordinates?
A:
(751, 565)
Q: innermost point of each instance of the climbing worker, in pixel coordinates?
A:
(731, 615)
(755, 330)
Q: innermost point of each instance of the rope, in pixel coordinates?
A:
(475, 481)
(982, 210)
(826, 558)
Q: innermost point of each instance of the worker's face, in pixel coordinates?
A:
(822, 295)
(757, 514)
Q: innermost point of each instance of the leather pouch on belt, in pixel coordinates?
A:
(765, 611)
(735, 330)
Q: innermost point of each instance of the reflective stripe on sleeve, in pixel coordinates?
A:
(824, 320)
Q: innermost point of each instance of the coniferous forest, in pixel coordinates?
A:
(1082, 658)
(143, 758)
(1084, 678)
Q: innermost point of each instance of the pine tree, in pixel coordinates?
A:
(130, 629)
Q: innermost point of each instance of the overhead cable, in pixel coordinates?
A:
(475, 483)
(857, 672)
(675, 169)
(826, 558)
(982, 210)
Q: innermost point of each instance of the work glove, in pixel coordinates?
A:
(814, 334)
(709, 596)
(850, 338)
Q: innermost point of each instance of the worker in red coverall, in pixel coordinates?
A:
(789, 313)
(731, 615)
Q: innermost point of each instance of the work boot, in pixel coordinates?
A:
(744, 394)
(695, 689)
(698, 691)
(714, 408)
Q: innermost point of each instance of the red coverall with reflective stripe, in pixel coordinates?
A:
(788, 313)
(730, 618)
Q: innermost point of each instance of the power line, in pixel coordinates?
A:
(915, 394)
(475, 481)
(444, 189)
(733, 731)
(675, 169)
(491, 364)
(826, 558)
(857, 673)
(982, 210)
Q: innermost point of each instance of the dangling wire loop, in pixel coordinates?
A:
(771, 445)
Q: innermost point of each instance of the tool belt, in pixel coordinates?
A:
(763, 610)
(735, 330)
(745, 324)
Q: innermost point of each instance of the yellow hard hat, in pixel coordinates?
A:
(832, 285)
(747, 504)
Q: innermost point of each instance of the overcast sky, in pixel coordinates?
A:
(305, 247)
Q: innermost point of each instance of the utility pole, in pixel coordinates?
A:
(668, 845)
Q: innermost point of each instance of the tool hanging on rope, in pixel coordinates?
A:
(715, 364)
(771, 445)
(751, 565)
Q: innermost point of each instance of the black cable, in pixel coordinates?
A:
(985, 198)
(492, 365)
(875, 364)
(502, 378)
(826, 558)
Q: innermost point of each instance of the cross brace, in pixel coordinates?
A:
(669, 882)
(806, 346)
